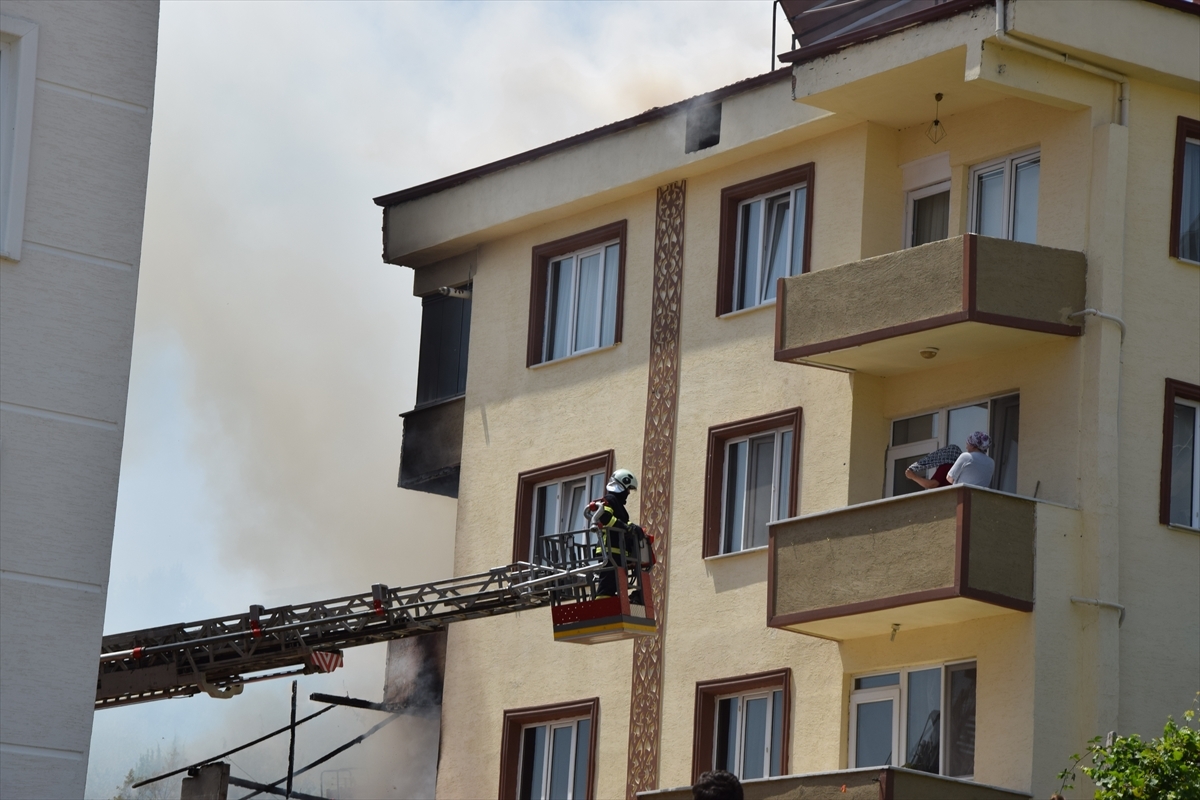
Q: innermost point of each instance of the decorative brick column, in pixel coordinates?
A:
(658, 461)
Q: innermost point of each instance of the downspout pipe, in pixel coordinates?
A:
(1091, 601)
(1014, 41)
(1092, 312)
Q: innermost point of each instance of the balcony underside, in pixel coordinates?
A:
(930, 558)
(871, 783)
(892, 354)
(957, 299)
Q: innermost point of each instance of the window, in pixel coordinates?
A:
(549, 752)
(703, 128)
(926, 183)
(743, 725)
(921, 718)
(18, 59)
(928, 214)
(1185, 194)
(915, 437)
(1180, 499)
(577, 294)
(551, 499)
(766, 232)
(559, 506)
(554, 760)
(751, 480)
(445, 336)
(1004, 197)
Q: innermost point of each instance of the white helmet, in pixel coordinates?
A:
(625, 478)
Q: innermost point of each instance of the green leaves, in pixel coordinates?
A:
(1166, 767)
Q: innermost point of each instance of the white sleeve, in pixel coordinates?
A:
(957, 469)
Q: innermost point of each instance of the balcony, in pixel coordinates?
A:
(871, 783)
(431, 451)
(967, 296)
(929, 558)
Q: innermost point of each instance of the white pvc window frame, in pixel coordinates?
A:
(545, 778)
(898, 694)
(1180, 401)
(911, 451)
(1187, 202)
(552, 333)
(593, 488)
(866, 696)
(18, 65)
(1009, 165)
(911, 198)
(739, 754)
(763, 290)
(780, 488)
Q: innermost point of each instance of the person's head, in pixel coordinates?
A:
(717, 785)
(623, 481)
(979, 441)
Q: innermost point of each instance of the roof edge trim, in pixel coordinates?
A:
(932, 14)
(951, 8)
(656, 113)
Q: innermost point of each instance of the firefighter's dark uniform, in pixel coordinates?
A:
(613, 515)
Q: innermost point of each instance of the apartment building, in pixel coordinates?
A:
(768, 301)
(76, 102)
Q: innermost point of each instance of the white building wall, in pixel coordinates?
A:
(66, 330)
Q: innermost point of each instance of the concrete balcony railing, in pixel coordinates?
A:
(928, 558)
(872, 783)
(966, 297)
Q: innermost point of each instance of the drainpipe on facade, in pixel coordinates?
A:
(1014, 40)
(1097, 702)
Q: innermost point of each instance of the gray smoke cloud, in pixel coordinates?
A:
(274, 350)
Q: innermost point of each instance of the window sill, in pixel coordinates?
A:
(1184, 528)
(743, 311)
(1187, 261)
(573, 356)
(723, 556)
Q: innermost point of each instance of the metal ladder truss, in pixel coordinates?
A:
(220, 655)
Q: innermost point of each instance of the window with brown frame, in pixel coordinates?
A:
(1179, 501)
(751, 479)
(576, 294)
(765, 235)
(551, 499)
(550, 751)
(743, 725)
(1185, 191)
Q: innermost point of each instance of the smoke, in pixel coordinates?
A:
(273, 349)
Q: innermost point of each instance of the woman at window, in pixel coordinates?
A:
(940, 461)
(974, 467)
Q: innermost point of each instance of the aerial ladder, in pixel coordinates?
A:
(220, 656)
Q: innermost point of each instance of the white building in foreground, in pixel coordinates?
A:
(77, 94)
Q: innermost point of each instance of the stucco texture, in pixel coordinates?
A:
(1090, 429)
(867, 553)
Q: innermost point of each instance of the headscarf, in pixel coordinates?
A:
(980, 439)
(943, 455)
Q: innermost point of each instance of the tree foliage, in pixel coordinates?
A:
(150, 763)
(1165, 768)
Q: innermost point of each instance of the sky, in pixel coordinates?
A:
(274, 350)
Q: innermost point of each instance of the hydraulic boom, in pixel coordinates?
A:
(220, 655)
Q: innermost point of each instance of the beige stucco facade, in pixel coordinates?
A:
(1091, 401)
(80, 81)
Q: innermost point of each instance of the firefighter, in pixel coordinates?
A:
(612, 518)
